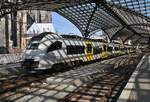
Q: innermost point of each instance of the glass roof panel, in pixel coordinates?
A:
(90, 15)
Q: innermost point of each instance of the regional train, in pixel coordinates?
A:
(48, 50)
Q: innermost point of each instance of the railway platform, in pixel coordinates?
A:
(138, 87)
(97, 82)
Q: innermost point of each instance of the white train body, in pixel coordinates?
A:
(46, 50)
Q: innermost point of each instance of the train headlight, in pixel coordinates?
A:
(37, 59)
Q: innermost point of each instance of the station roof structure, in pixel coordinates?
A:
(123, 19)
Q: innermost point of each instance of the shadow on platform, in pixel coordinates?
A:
(87, 84)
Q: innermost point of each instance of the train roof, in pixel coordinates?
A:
(76, 37)
(39, 37)
(71, 37)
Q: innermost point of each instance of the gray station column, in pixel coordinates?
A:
(14, 28)
(6, 31)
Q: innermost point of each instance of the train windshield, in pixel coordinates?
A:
(33, 45)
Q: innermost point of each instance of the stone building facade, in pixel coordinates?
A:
(14, 26)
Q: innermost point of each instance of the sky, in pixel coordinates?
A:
(63, 26)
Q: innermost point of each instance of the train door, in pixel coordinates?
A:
(110, 50)
(89, 50)
(104, 52)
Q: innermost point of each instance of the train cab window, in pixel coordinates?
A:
(33, 45)
(55, 46)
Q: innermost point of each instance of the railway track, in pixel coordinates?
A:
(9, 82)
(20, 80)
(89, 83)
(17, 82)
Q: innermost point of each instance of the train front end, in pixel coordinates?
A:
(35, 54)
(32, 56)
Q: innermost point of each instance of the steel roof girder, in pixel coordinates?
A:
(114, 35)
(117, 17)
(90, 19)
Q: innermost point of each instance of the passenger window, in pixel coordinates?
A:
(55, 46)
(75, 49)
(97, 50)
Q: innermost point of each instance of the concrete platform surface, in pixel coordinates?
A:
(88, 83)
(138, 87)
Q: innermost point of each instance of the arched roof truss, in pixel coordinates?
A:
(126, 19)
